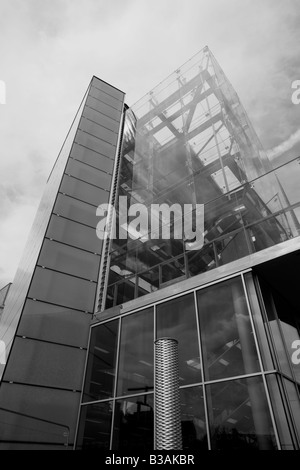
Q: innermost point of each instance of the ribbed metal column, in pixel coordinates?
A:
(166, 396)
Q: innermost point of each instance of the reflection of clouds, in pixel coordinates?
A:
(136, 351)
(177, 319)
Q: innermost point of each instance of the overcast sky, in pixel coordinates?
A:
(51, 48)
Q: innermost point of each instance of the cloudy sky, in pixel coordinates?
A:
(51, 48)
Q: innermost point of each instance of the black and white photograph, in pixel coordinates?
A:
(150, 228)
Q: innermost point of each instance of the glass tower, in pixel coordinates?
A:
(83, 313)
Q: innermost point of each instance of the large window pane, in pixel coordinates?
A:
(73, 233)
(239, 415)
(48, 364)
(260, 323)
(63, 290)
(76, 210)
(101, 119)
(281, 414)
(293, 392)
(101, 367)
(94, 427)
(106, 98)
(110, 90)
(98, 131)
(88, 174)
(177, 319)
(53, 323)
(103, 107)
(92, 158)
(84, 191)
(193, 423)
(70, 260)
(136, 353)
(226, 333)
(133, 424)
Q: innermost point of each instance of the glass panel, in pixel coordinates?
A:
(94, 427)
(62, 289)
(52, 323)
(70, 260)
(84, 191)
(133, 424)
(95, 129)
(88, 174)
(76, 210)
(58, 406)
(177, 319)
(202, 260)
(293, 392)
(72, 233)
(92, 158)
(48, 364)
(125, 291)
(93, 143)
(280, 412)
(99, 106)
(194, 435)
(227, 337)
(106, 98)
(110, 90)
(239, 416)
(148, 282)
(101, 367)
(136, 353)
(273, 323)
(231, 248)
(260, 323)
(104, 108)
(173, 271)
(101, 119)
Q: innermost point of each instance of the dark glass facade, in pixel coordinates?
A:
(234, 392)
(45, 326)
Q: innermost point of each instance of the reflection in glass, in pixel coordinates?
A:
(194, 436)
(61, 289)
(136, 353)
(274, 325)
(177, 319)
(72, 233)
(54, 323)
(259, 322)
(83, 154)
(101, 367)
(239, 416)
(293, 392)
(69, 260)
(133, 424)
(88, 174)
(227, 337)
(94, 427)
(84, 191)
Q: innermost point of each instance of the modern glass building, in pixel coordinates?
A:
(83, 313)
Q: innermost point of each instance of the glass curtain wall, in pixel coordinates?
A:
(46, 323)
(230, 398)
